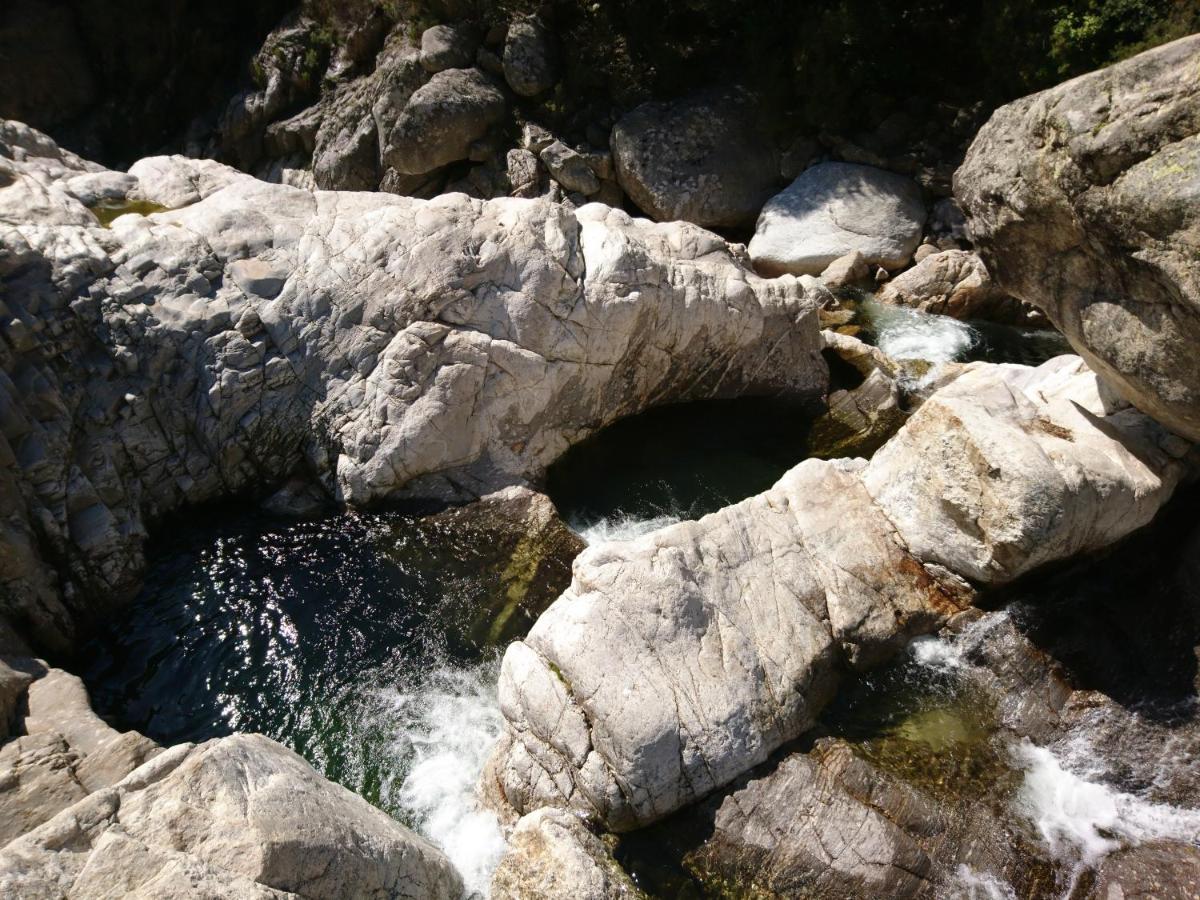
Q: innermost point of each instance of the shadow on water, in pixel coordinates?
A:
(683, 461)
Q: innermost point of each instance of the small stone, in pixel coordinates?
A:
(570, 169)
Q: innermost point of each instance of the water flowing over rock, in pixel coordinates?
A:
(677, 661)
(1081, 200)
(234, 817)
(702, 159)
(391, 346)
(834, 209)
(956, 283)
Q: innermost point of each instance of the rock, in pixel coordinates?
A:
(530, 67)
(924, 252)
(523, 173)
(1163, 870)
(58, 705)
(95, 188)
(946, 220)
(441, 349)
(999, 472)
(847, 271)
(259, 277)
(1017, 454)
(517, 533)
(298, 499)
(552, 856)
(535, 138)
(13, 682)
(243, 811)
(441, 120)
(829, 824)
(740, 664)
(956, 283)
(570, 169)
(834, 209)
(1079, 200)
(702, 159)
(860, 418)
(114, 760)
(446, 47)
(37, 781)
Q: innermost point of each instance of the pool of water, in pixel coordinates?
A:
(677, 462)
(351, 639)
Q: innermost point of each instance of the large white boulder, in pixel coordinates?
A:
(237, 817)
(834, 209)
(394, 346)
(676, 662)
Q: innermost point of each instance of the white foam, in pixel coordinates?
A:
(1083, 821)
(949, 653)
(974, 885)
(622, 527)
(448, 724)
(904, 333)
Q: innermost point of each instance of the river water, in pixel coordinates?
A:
(348, 638)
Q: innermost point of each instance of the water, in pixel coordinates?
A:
(678, 462)
(904, 333)
(351, 640)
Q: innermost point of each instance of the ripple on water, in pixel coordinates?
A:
(339, 638)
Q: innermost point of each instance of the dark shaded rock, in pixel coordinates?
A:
(441, 121)
(530, 65)
(446, 47)
(703, 159)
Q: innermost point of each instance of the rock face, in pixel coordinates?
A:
(552, 856)
(834, 209)
(441, 120)
(235, 817)
(391, 345)
(529, 63)
(677, 661)
(1081, 202)
(829, 824)
(702, 159)
(956, 283)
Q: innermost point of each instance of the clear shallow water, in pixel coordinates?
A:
(348, 639)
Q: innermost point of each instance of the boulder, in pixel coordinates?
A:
(37, 781)
(679, 660)
(243, 812)
(830, 824)
(1080, 200)
(1008, 468)
(446, 47)
(834, 209)
(441, 120)
(851, 270)
(861, 417)
(523, 173)
(530, 64)
(752, 612)
(570, 169)
(13, 683)
(702, 159)
(388, 346)
(956, 283)
(553, 856)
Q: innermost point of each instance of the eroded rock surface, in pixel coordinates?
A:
(956, 283)
(236, 817)
(392, 346)
(679, 660)
(1082, 202)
